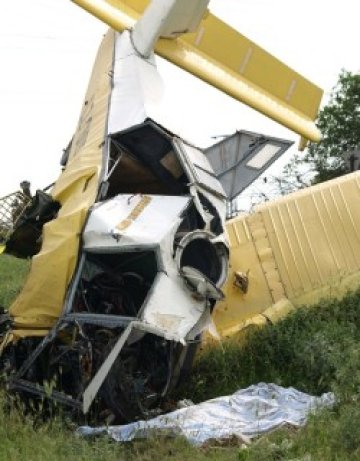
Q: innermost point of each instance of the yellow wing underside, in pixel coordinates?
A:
(229, 61)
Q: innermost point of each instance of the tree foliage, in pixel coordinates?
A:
(339, 122)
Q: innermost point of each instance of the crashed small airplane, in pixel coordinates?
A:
(129, 249)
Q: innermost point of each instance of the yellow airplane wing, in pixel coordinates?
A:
(229, 61)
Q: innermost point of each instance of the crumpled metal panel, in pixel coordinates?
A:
(133, 220)
(143, 221)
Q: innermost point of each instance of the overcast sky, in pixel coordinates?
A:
(47, 48)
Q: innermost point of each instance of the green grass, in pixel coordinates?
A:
(22, 439)
(12, 275)
(314, 349)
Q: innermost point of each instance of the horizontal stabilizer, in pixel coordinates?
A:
(227, 60)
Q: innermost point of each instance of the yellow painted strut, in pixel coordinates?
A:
(227, 60)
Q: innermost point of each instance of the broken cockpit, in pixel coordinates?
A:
(152, 262)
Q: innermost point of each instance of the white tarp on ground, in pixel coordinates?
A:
(245, 414)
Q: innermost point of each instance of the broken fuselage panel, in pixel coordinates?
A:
(152, 259)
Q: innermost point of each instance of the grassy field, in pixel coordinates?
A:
(12, 275)
(314, 350)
